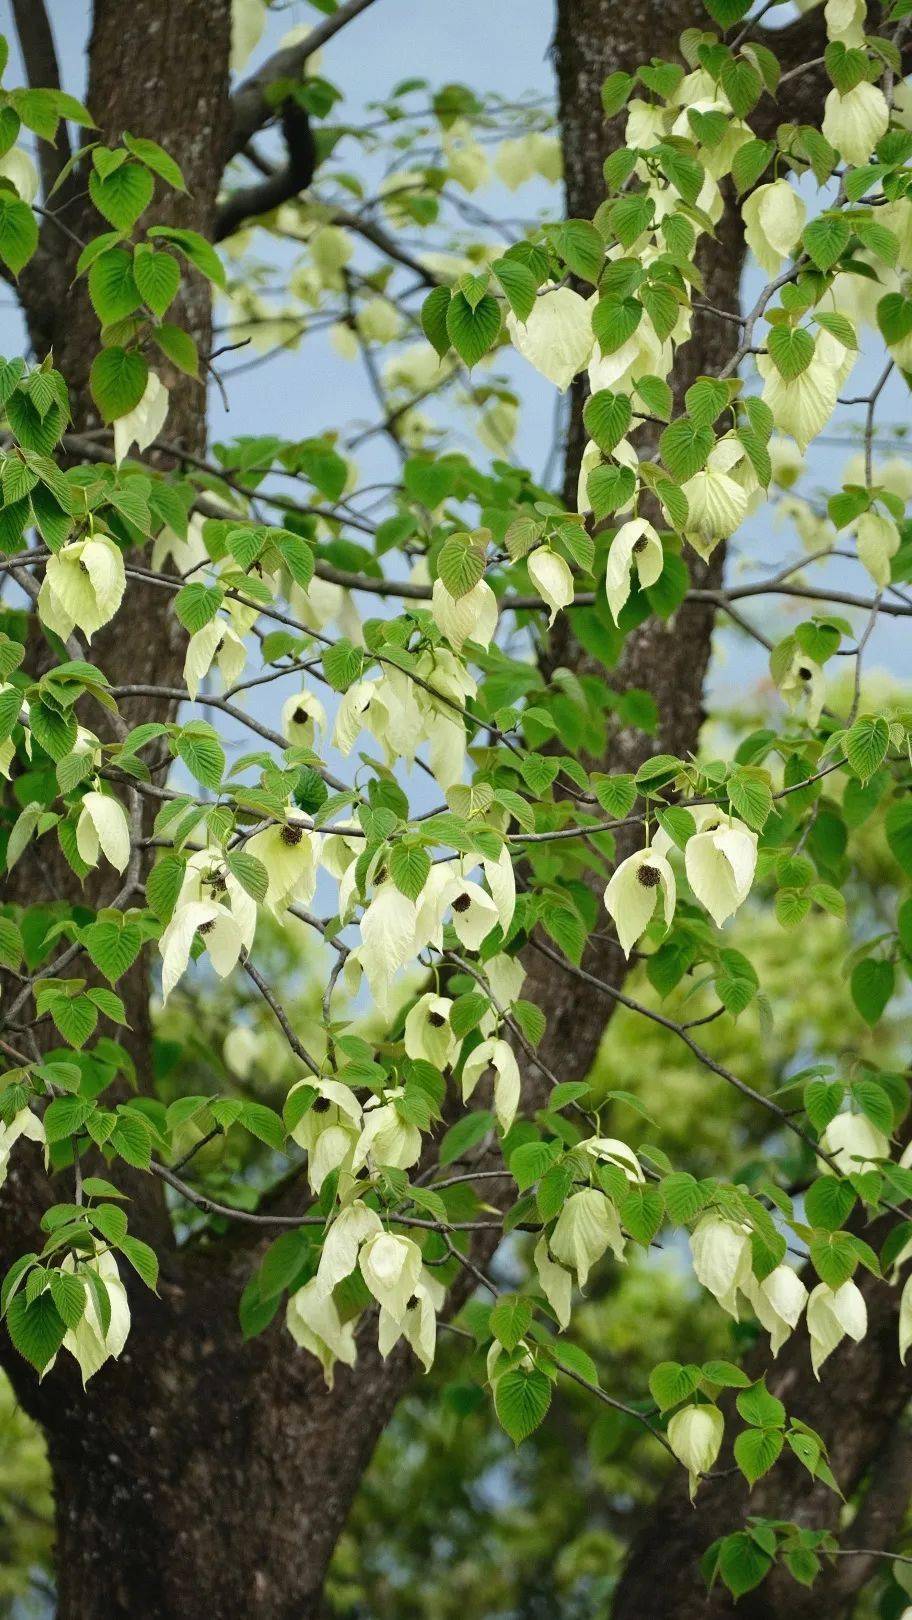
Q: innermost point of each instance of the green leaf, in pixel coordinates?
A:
(757, 1405)
(642, 1212)
(434, 319)
(69, 1295)
(750, 798)
(756, 1450)
(179, 347)
(118, 381)
(683, 1195)
(112, 289)
(670, 1383)
(193, 246)
(36, 1329)
(736, 982)
(866, 744)
(656, 396)
(518, 283)
(529, 1163)
(75, 1017)
(142, 1258)
(684, 448)
(742, 1564)
(894, 317)
(615, 92)
(113, 948)
(250, 873)
(202, 753)
(122, 195)
(521, 1400)
(465, 1134)
(791, 350)
(581, 247)
(614, 321)
(742, 85)
(749, 163)
(11, 946)
(828, 1203)
(460, 564)
(157, 277)
(726, 1374)
(473, 332)
(342, 664)
(607, 417)
(18, 232)
(833, 1258)
(511, 1319)
(65, 1116)
(872, 986)
(826, 238)
(409, 867)
(705, 400)
(131, 1139)
(155, 158)
(609, 487)
(616, 794)
(898, 823)
(196, 604)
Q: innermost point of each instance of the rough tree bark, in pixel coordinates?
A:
(201, 1477)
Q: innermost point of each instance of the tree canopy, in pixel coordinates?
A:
(385, 773)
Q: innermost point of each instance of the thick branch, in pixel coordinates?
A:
(279, 186)
(251, 104)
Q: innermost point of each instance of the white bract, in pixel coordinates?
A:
(472, 617)
(557, 337)
(552, 578)
(585, 1228)
(854, 1144)
(428, 1034)
(499, 1056)
(720, 860)
(878, 542)
(83, 586)
(631, 895)
(778, 1302)
(329, 1131)
(774, 217)
(695, 1436)
(636, 545)
(391, 1267)
(832, 1315)
(721, 1256)
(314, 1323)
(103, 826)
(23, 1123)
(854, 122)
(88, 1342)
(144, 423)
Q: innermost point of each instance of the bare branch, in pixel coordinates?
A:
(279, 185)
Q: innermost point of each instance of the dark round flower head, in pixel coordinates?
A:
(436, 1020)
(292, 834)
(462, 902)
(649, 876)
(321, 1104)
(641, 544)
